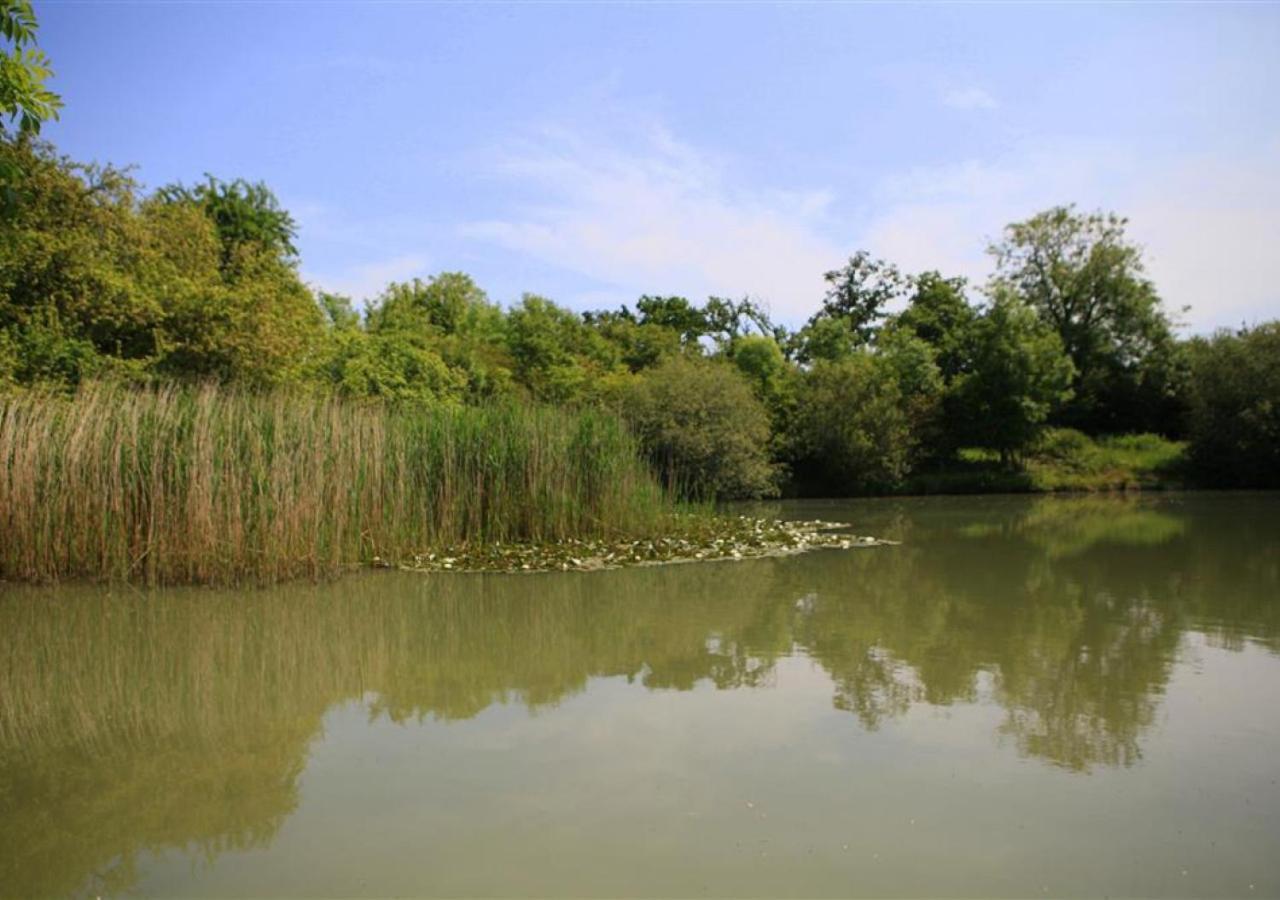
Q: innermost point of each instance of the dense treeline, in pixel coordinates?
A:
(893, 375)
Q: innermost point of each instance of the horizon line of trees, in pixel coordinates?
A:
(99, 279)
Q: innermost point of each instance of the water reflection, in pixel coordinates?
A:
(132, 722)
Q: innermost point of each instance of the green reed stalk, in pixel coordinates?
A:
(212, 485)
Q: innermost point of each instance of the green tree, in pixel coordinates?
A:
(640, 346)
(825, 339)
(1020, 374)
(858, 293)
(1086, 280)
(555, 354)
(675, 313)
(1235, 407)
(852, 431)
(939, 314)
(243, 212)
(448, 303)
(92, 278)
(25, 102)
(703, 429)
(338, 311)
(24, 69)
(397, 365)
(729, 320)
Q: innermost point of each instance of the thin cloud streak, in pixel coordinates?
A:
(659, 216)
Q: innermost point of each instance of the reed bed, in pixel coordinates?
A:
(212, 485)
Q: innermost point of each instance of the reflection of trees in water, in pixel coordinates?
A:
(135, 722)
(185, 718)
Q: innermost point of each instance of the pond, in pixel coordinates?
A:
(1028, 696)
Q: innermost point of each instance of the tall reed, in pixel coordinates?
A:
(211, 485)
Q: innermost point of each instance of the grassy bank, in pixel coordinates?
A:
(218, 486)
(1063, 460)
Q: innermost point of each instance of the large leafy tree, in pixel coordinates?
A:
(939, 314)
(859, 292)
(1020, 375)
(675, 313)
(92, 277)
(1087, 281)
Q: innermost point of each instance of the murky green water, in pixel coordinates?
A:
(1028, 697)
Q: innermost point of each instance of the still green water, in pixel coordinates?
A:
(1031, 697)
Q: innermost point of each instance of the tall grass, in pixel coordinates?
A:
(210, 485)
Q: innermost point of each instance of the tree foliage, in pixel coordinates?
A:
(703, 428)
(1086, 279)
(243, 214)
(852, 432)
(1020, 374)
(892, 375)
(24, 69)
(859, 292)
(1235, 407)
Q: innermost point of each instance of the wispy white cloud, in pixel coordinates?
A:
(365, 281)
(969, 98)
(633, 210)
(1207, 223)
(648, 212)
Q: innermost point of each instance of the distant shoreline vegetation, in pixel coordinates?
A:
(166, 312)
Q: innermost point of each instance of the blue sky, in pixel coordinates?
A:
(592, 153)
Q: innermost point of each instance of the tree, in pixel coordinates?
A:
(24, 99)
(640, 346)
(1086, 280)
(675, 313)
(1235, 407)
(243, 213)
(397, 365)
(448, 303)
(24, 68)
(728, 320)
(859, 293)
(702, 428)
(824, 339)
(852, 431)
(556, 356)
(338, 311)
(1020, 374)
(92, 278)
(939, 314)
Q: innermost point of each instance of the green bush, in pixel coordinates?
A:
(1234, 421)
(702, 428)
(852, 431)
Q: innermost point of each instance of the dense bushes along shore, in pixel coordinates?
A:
(896, 382)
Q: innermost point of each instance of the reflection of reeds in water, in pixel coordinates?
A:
(136, 720)
(211, 485)
(98, 670)
(186, 715)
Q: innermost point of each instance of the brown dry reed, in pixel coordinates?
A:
(213, 485)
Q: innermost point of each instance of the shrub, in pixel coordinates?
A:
(1234, 420)
(852, 431)
(703, 429)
